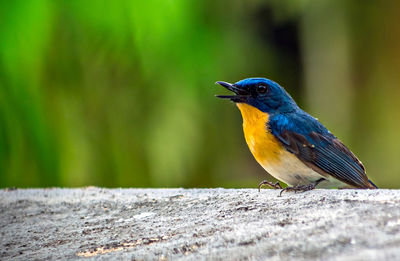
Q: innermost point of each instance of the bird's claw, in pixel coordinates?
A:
(275, 185)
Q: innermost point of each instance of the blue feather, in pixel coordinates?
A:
(312, 143)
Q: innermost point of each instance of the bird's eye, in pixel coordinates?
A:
(261, 88)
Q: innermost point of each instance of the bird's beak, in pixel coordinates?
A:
(241, 95)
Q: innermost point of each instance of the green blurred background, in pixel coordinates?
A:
(121, 93)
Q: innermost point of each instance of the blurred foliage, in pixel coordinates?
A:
(121, 93)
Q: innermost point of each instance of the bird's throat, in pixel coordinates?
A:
(262, 144)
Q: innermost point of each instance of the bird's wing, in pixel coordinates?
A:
(320, 150)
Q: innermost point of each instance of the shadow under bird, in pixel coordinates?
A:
(290, 144)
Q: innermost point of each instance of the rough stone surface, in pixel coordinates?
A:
(192, 224)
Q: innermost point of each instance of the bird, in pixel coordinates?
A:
(290, 144)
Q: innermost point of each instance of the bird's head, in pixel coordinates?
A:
(264, 94)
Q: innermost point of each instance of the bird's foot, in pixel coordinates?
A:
(301, 188)
(275, 185)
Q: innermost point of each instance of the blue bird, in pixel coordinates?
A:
(290, 144)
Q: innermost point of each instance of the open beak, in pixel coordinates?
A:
(241, 95)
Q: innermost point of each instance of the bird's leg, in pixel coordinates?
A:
(302, 188)
(275, 185)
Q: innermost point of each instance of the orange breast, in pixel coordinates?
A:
(263, 145)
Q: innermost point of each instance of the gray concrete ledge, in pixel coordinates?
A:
(192, 224)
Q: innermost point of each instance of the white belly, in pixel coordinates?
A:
(293, 172)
